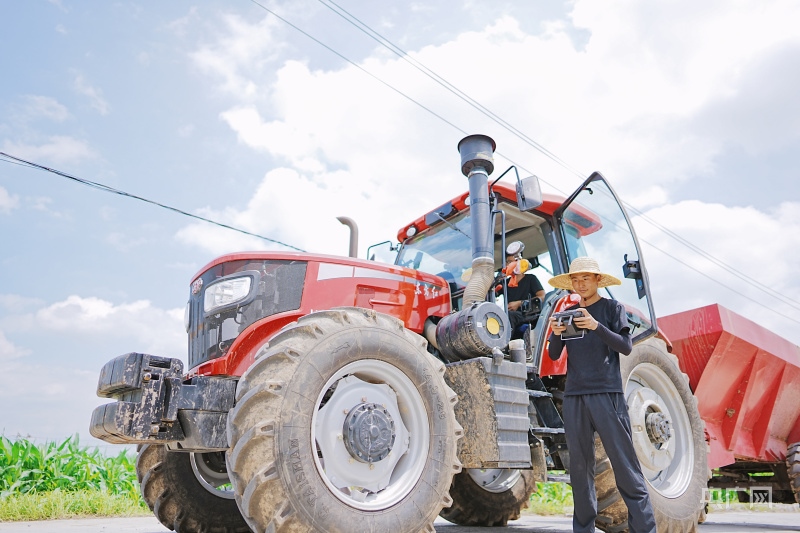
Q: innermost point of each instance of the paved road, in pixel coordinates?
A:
(719, 522)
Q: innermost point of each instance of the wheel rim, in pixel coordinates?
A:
(494, 479)
(662, 431)
(211, 472)
(384, 475)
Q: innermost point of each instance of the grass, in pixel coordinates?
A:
(551, 499)
(59, 504)
(65, 480)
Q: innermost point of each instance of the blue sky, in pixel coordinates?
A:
(225, 111)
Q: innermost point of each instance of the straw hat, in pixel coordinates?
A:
(579, 266)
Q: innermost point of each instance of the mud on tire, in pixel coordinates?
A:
(489, 497)
(296, 466)
(180, 498)
(676, 470)
(793, 468)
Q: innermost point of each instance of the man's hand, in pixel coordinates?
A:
(558, 330)
(514, 306)
(587, 321)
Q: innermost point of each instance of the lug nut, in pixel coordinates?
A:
(146, 376)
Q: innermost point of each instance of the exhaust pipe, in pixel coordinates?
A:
(350, 223)
(481, 326)
(477, 162)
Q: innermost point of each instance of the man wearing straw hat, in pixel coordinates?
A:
(594, 399)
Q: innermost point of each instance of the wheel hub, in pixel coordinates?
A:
(651, 426)
(369, 432)
(659, 427)
(209, 469)
(361, 436)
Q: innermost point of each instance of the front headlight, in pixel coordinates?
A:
(226, 292)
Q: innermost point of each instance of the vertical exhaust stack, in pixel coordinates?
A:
(481, 326)
(477, 162)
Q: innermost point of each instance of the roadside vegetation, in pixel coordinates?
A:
(65, 480)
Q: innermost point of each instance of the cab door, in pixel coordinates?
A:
(593, 223)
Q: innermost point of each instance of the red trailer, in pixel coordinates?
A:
(747, 383)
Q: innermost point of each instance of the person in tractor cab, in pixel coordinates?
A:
(594, 399)
(521, 288)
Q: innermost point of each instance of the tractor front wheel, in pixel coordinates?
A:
(188, 492)
(344, 423)
(489, 497)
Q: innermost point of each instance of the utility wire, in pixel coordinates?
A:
(366, 29)
(405, 56)
(402, 54)
(19, 161)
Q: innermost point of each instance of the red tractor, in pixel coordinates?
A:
(337, 394)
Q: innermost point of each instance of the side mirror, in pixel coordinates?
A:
(529, 194)
(382, 253)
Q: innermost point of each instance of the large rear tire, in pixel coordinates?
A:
(343, 423)
(793, 468)
(672, 455)
(489, 497)
(187, 491)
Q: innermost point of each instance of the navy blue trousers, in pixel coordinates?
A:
(607, 414)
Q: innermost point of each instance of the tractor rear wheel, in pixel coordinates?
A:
(793, 467)
(672, 454)
(489, 497)
(343, 423)
(188, 492)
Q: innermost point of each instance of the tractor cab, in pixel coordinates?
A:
(591, 222)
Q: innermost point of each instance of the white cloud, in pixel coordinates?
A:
(59, 4)
(53, 391)
(46, 107)
(124, 242)
(8, 350)
(57, 149)
(94, 94)
(186, 130)
(640, 101)
(240, 54)
(7, 201)
(154, 330)
(759, 245)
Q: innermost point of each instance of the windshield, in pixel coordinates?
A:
(444, 250)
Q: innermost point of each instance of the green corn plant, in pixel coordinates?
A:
(66, 466)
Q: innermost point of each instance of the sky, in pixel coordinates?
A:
(279, 125)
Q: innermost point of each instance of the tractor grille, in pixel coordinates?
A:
(278, 288)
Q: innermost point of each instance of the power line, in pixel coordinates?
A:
(95, 185)
(366, 29)
(405, 56)
(402, 54)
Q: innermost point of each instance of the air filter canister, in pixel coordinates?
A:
(473, 332)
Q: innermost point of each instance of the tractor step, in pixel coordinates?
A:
(547, 431)
(539, 394)
(558, 478)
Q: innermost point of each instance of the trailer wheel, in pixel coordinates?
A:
(343, 423)
(188, 491)
(489, 497)
(793, 467)
(669, 438)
